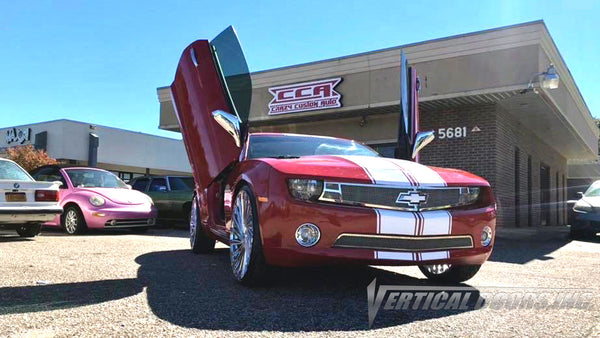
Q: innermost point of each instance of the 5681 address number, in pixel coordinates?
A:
(451, 132)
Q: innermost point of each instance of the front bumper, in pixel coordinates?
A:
(400, 238)
(589, 220)
(120, 217)
(23, 215)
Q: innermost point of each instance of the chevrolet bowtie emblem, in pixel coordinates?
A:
(412, 198)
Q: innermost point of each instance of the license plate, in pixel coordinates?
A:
(15, 197)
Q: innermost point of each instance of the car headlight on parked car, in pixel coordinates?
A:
(305, 189)
(468, 195)
(97, 201)
(582, 206)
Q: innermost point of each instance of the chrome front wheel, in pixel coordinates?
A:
(437, 269)
(248, 264)
(449, 273)
(242, 235)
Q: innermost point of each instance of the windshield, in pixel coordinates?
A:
(11, 171)
(89, 178)
(293, 146)
(593, 190)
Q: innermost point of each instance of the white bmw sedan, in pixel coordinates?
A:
(24, 203)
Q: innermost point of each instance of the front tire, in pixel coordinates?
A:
(248, 264)
(73, 221)
(449, 273)
(199, 241)
(29, 230)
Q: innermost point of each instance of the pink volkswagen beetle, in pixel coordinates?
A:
(97, 199)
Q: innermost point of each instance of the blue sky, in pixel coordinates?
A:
(101, 62)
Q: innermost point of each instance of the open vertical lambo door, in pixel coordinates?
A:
(211, 93)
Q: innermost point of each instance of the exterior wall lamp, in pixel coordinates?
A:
(550, 80)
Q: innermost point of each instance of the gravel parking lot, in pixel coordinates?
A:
(120, 284)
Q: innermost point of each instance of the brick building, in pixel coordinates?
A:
(480, 92)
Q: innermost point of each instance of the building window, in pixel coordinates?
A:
(517, 187)
(529, 193)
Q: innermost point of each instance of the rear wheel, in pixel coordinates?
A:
(245, 248)
(449, 273)
(29, 230)
(199, 241)
(73, 221)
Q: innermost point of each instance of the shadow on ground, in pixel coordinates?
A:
(13, 238)
(24, 299)
(199, 292)
(520, 246)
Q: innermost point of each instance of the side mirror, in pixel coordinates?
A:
(230, 123)
(129, 186)
(422, 139)
(580, 194)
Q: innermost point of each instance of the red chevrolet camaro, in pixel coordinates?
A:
(298, 200)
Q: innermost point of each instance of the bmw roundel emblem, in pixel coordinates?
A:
(16, 185)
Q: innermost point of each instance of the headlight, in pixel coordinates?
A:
(468, 195)
(97, 201)
(582, 206)
(303, 189)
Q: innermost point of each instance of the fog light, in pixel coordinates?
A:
(308, 235)
(486, 236)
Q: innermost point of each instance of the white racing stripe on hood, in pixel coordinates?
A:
(389, 171)
(379, 170)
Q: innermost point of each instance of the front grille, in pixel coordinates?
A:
(398, 198)
(403, 243)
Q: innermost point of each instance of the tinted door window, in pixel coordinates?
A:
(181, 183)
(140, 184)
(158, 184)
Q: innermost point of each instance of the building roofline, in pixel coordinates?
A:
(529, 23)
(94, 124)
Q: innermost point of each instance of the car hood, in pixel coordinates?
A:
(119, 196)
(377, 170)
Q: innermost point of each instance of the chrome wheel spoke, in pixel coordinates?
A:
(193, 223)
(438, 269)
(242, 234)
